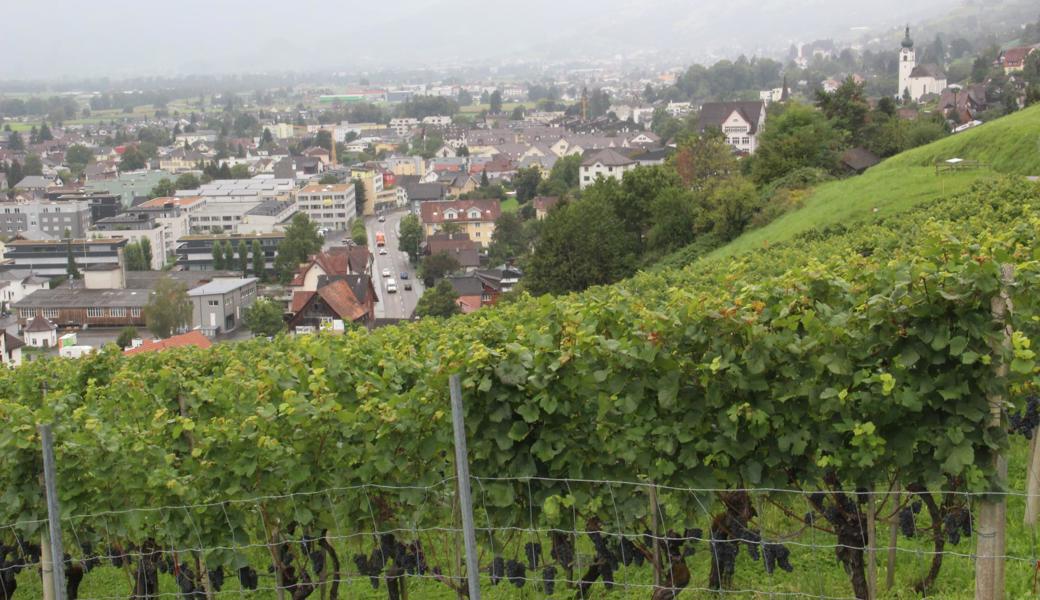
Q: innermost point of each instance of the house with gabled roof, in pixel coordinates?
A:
(607, 163)
(349, 299)
(740, 122)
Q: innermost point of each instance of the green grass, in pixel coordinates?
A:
(1009, 145)
(510, 205)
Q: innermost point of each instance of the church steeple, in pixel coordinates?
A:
(907, 42)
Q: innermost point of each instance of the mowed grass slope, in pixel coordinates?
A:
(1010, 145)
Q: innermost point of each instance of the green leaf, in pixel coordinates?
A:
(957, 345)
(518, 431)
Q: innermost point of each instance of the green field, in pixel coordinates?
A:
(1009, 145)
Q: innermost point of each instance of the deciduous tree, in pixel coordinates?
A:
(438, 301)
(168, 308)
(264, 318)
(410, 237)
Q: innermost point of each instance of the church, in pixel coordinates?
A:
(916, 81)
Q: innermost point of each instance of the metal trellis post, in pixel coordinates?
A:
(465, 497)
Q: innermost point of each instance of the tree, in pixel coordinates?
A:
(495, 102)
(126, 337)
(328, 179)
(673, 216)
(846, 107)
(77, 157)
(436, 266)
(798, 137)
(132, 159)
(44, 134)
(218, 255)
(410, 237)
(163, 189)
(168, 308)
(186, 181)
(518, 113)
(14, 174)
(704, 159)
(243, 257)
(484, 181)
(134, 257)
(324, 139)
(33, 165)
(639, 188)
(240, 171)
(526, 182)
(582, 244)
(266, 139)
(15, 142)
(358, 233)
(508, 241)
(259, 261)
(301, 241)
(730, 207)
(359, 195)
(563, 177)
(71, 269)
(264, 318)
(465, 98)
(438, 302)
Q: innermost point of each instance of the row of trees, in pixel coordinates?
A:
(246, 257)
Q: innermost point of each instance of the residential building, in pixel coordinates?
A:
(499, 280)
(191, 138)
(191, 339)
(329, 206)
(101, 204)
(37, 185)
(679, 109)
(338, 261)
(40, 332)
(224, 215)
(740, 122)
(1014, 59)
(472, 295)
(128, 185)
(17, 284)
(347, 299)
(195, 252)
(77, 307)
(372, 181)
(473, 217)
(218, 306)
(257, 189)
(10, 350)
(49, 258)
(607, 163)
(137, 225)
(403, 125)
(267, 216)
(465, 251)
(543, 204)
(52, 218)
(437, 121)
(181, 161)
(173, 215)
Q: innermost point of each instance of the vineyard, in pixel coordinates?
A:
(796, 405)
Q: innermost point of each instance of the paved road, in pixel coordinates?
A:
(401, 304)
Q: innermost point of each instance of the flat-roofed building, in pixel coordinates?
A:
(218, 306)
(49, 258)
(332, 207)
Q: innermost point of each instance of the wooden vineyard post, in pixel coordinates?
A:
(871, 547)
(1033, 482)
(57, 553)
(465, 498)
(653, 527)
(893, 539)
(989, 563)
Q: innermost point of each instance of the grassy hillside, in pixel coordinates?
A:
(1009, 145)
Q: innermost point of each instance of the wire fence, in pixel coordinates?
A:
(583, 540)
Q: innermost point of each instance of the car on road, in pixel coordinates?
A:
(408, 285)
(404, 274)
(386, 272)
(382, 219)
(391, 286)
(382, 252)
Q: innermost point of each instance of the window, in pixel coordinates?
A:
(26, 313)
(213, 302)
(117, 312)
(95, 312)
(50, 313)
(135, 312)
(747, 140)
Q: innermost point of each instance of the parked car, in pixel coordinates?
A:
(382, 252)
(404, 274)
(386, 272)
(391, 286)
(408, 285)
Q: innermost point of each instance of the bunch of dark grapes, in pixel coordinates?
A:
(916, 506)
(810, 518)
(690, 537)
(777, 555)
(498, 570)
(628, 553)
(516, 572)
(1025, 423)
(186, 582)
(906, 523)
(606, 571)
(370, 567)
(562, 550)
(549, 580)
(216, 577)
(90, 560)
(603, 551)
(955, 523)
(725, 554)
(248, 578)
(533, 552)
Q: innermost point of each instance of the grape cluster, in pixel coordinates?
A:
(689, 537)
(189, 587)
(724, 552)
(497, 570)
(776, 555)
(629, 553)
(956, 523)
(605, 558)
(516, 573)
(533, 552)
(248, 578)
(549, 580)
(906, 522)
(370, 566)
(562, 549)
(1025, 423)
(9, 569)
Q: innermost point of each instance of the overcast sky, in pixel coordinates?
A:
(117, 38)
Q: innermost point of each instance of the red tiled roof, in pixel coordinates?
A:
(192, 338)
(342, 301)
(300, 299)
